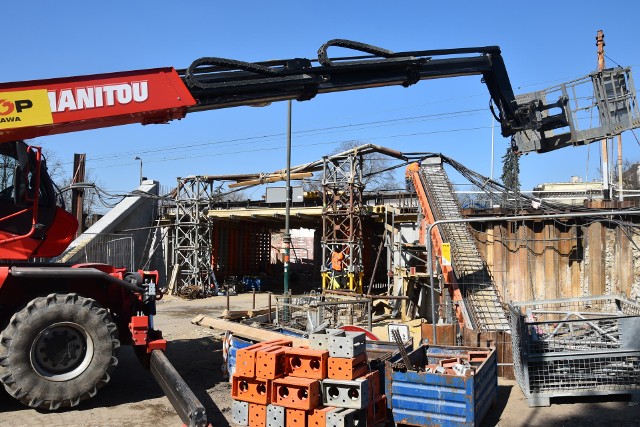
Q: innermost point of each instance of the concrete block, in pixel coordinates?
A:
(346, 394)
(240, 413)
(352, 344)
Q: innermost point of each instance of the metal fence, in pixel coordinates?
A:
(311, 312)
(112, 249)
(576, 346)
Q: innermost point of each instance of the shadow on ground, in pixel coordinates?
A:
(197, 360)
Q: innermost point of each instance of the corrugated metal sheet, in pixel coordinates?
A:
(430, 399)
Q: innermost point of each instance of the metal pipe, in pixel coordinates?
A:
(287, 236)
(186, 404)
(72, 273)
(253, 306)
(269, 312)
(493, 218)
(352, 294)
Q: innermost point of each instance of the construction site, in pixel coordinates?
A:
(325, 300)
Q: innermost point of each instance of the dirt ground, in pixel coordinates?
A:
(132, 398)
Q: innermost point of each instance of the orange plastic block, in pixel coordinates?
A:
(448, 363)
(246, 357)
(374, 385)
(270, 362)
(306, 363)
(380, 409)
(318, 417)
(296, 393)
(348, 369)
(257, 415)
(295, 418)
(478, 356)
(252, 390)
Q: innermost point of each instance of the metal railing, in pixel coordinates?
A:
(311, 312)
(112, 249)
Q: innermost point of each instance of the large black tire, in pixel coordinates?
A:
(58, 351)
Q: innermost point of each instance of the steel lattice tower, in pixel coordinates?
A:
(192, 237)
(342, 216)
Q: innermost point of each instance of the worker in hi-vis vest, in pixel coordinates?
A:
(337, 267)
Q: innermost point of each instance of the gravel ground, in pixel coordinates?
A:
(132, 398)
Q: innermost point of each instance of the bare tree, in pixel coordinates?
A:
(377, 171)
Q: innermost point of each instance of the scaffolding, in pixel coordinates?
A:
(342, 217)
(192, 238)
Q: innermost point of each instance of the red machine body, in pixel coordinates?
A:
(46, 107)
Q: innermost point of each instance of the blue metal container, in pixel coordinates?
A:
(433, 399)
(251, 283)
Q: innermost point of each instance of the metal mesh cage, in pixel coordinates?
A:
(577, 346)
(311, 312)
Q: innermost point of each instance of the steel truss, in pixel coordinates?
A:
(192, 238)
(342, 217)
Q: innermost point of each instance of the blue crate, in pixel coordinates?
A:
(429, 399)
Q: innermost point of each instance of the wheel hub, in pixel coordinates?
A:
(61, 351)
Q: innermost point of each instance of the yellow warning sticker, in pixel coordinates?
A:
(446, 254)
(24, 108)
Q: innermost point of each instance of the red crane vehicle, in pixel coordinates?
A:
(62, 325)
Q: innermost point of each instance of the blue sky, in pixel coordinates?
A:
(543, 44)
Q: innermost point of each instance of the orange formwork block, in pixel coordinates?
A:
(347, 369)
(246, 357)
(257, 415)
(296, 393)
(374, 385)
(252, 390)
(295, 418)
(318, 417)
(270, 362)
(306, 363)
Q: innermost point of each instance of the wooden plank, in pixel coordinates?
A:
(244, 331)
(521, 272)
(173, 281)
(537, 261)
(499, 262)
(625, 262)
(445, 334)
(241, 314)
(597, 249)
(564, 269)
(576, 260)
(550, 263)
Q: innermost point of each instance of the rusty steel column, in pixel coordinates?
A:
(342, 217)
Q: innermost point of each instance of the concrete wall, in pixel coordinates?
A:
(131, 217)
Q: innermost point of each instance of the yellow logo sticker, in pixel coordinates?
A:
(24, 108)
(446, 254)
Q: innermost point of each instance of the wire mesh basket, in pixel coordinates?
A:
(311, 312)
(576, 346)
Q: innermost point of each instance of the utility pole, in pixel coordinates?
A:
(606, 191)
(77, 194)
(286, 240)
